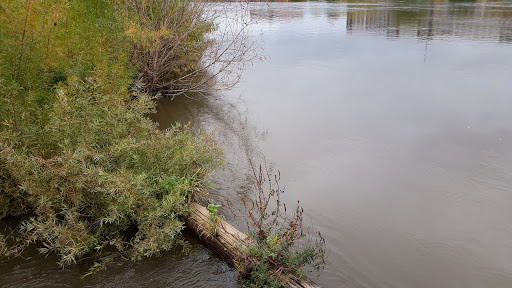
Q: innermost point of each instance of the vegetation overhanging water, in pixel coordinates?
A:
(431, 48)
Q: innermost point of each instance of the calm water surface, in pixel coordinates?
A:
(391, 122)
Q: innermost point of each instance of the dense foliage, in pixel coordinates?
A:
(80, 161)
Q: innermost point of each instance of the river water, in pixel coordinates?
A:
(389, 120)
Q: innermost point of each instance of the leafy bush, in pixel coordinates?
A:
(79, 158)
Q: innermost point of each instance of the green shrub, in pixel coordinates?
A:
(79, 157)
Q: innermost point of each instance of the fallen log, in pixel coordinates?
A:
(228, 241)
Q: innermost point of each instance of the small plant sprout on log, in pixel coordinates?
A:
(214, 219)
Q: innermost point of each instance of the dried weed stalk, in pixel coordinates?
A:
(279, 242)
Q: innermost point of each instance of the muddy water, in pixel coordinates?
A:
(389, 120)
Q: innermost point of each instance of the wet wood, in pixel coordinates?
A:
(229, 241)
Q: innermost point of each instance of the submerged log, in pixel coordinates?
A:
(228, 241)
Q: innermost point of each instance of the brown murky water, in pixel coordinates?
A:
(391, 122)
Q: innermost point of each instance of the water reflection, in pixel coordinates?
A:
(441, 20)
(227, 120)
(473, 20)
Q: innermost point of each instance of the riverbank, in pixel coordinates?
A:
(87, 172)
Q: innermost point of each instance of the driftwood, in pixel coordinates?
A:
(228, 241)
